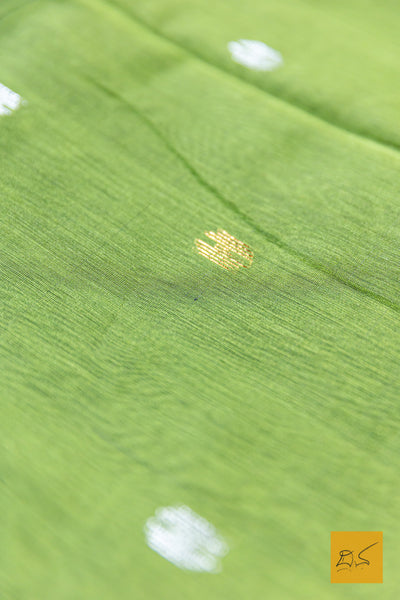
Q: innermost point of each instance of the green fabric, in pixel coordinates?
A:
(341, 57)
(269, 405)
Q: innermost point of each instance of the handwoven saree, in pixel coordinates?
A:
(173, 426)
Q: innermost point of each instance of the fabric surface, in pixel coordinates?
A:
(135, 373)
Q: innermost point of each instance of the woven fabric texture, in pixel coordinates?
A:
(137, 374)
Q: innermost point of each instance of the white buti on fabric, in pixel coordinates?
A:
(255, 55)
(185, 539)
(9, 100)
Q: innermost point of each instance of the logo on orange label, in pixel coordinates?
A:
(356, 557)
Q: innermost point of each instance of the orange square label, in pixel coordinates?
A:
(356, 557)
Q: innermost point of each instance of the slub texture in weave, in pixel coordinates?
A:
(135, 373)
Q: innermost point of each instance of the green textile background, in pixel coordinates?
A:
(269, 405)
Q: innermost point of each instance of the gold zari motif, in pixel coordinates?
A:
(225, 246)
